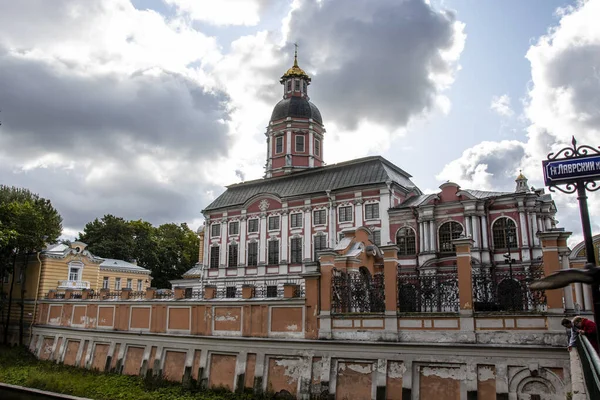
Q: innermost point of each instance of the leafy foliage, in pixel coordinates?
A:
(167, 250)
(19, 367)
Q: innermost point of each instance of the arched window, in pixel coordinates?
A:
(406, 242)
(448, 232)
(505, 233)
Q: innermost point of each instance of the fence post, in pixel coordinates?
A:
(311, 282)
(551, 262)
(125, 293)
(327, 259)
(465, 286)
(247, 291)
(210, 292)
(85, 294)
(150, 293)
(51, 294)
(68, 294)
(288, 290)
(178, 293)
(390, 275)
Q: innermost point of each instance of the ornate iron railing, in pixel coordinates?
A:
(140, 294)
(163, 294)
(423, 292)
(506, 289)
(229, 292)
(93, 295)
(192, 293)
(357, 292)
(59, 295)
(114, 295)
(590, 363)
(77, 294)
(299, 291)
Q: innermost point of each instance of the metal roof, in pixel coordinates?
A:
(193, 272)
(358, 172)
(120, 264)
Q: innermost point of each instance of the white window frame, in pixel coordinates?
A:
(106, 282)
(253, 243)
(377, 232)
(317, 147)
(324, 210)
(279, 139)
(129, 283)
(117, 283)
(229, 228)
(79, 267)
(257, 225)
(351, 213)
(375, 206)
(299, 219)
(278, 223)
(303, 143)
(140, 285)
(212, 230)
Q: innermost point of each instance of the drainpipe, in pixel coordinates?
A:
(37, 291)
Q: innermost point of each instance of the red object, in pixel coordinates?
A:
(589, 329)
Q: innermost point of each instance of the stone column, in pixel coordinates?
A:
(551, 262)
(327, 265)
(475, 231)
(525, 256)
(468, 226)
(579, 296)
(426, 236)
(262, 253)
(564, 263)
(465, 287)
(150, 293)
(432, 236)
(332, 224)
(548, 222)
(390, 273)
(284, 236)
(421, 237)
(207, 238)
(484, 232)
(307, 233)
(533, 229)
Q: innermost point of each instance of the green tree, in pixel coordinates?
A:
(28, 222)
(177, 247)
(109, 237)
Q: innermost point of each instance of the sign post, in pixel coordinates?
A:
(578, 169)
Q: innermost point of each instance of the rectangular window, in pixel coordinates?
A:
(234, 228)
(296, 251)
(231, 291)
(139, 285)
(233, 256)
(215, 230)
(73, 274)
(296, 220)
(320, 244)
(117, 283)
(317, 147)
(272, 291)
(279, 145)
(214, 257)
(319, 217)
(299, 144)
(296, 85)
(274, 223)
(129, 283)
(252, 254)
(106, 283)
(345, 214)
(372, 211)
(289, 85)
(252, 225)
(377, 238)
(273, 252)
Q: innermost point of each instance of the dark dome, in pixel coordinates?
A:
(296, 107)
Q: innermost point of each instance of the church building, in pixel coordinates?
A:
(270, 231)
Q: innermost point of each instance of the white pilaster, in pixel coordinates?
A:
(206, 259)
(332, 223)
(384, 206)
(262, 240)
(288, 142)
(242, 244)
(311, 149)
(421, 237)
(524, 235)
(284, 236)
(358, 214)
(532, 235)
(223, 253)
(548, 222)
(579, 296)
(475, 230)
(468, 226)
(540, 224)
(427, 236)
(569, 304)
(307, 233)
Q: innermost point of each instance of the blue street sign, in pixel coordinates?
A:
(571, 169)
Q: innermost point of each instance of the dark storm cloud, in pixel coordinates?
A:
(46, 109)
(374, 59)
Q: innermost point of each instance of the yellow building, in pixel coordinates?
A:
(61, 267)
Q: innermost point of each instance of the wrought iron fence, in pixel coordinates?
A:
(422, 292)
(77, 294)
(163, 294)
(229, 292)
(59, 295)
(507, 289)
(299, 291)
(113, 295)
(140, 294)
(93, 295)
(357, 292)
(194, 293)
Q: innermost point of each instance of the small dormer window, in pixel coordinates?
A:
(297, 85)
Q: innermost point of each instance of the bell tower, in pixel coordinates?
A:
(295, 131)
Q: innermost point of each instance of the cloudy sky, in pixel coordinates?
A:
(147, 108)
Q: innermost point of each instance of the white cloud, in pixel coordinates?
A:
(501, 105)
(562, 102)
(221, 12)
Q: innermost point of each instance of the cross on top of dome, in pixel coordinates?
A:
(295, 71)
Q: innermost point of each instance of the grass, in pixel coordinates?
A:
(19, 367)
